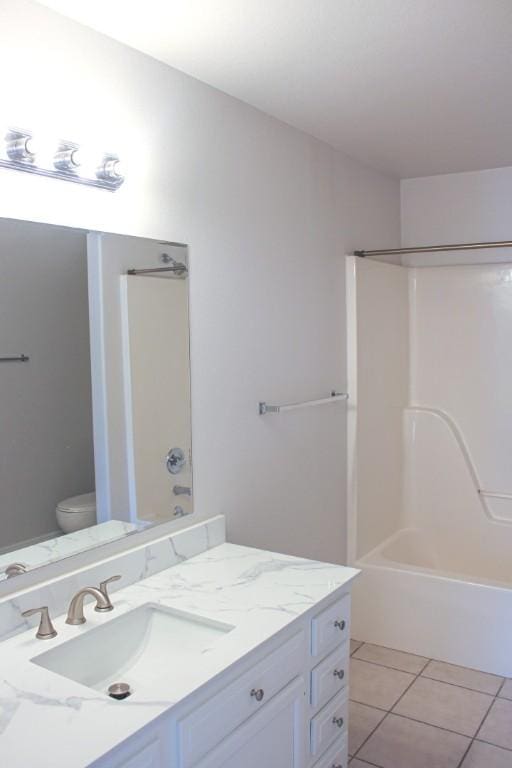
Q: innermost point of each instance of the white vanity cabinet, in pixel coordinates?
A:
(283, 706)
(273, 737)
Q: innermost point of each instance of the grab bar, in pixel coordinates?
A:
(495, 494)
(264, 408)
(457, 434)
(15, 359)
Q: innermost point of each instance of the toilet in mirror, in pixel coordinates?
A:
(95, 417)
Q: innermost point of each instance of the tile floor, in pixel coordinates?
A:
(411, 712)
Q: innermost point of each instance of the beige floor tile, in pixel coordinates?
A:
(486, 756)
(506, 691)
(469, 678)
(376, 686)
(447, 706)
(362, 721)
(355, 763)
(497, 726)
(354, 645)
(406, 662)
(402, 743)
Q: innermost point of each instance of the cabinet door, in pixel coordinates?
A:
(273, 737)
(137, 752)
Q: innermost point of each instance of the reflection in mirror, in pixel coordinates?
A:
(157, 371)
(51, 504)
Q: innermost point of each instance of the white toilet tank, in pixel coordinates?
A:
(77, 512)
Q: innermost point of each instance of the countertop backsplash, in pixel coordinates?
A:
(133, 565)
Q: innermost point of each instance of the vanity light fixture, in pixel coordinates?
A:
(20, 150)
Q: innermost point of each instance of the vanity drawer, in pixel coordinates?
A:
(330, 627)
(207, 725)
(336, 757)
(330, 676)
(330, 722)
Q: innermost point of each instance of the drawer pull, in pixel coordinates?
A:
(340, 673)
(258, 693)
(340, 624)
(338, 721)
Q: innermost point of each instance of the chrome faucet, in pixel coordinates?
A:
(181, 490)
(76, 606)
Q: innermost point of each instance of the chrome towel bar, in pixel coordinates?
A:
(264, 408)
(15, 359)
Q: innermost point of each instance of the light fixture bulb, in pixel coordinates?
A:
(110, 170)
(20, 147)
(67, 159)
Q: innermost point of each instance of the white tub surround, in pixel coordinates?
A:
(289, 615)
(430, 502)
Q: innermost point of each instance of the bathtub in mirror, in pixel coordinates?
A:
(95, 418)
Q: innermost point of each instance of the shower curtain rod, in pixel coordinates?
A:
(179, 269)
(435, 248)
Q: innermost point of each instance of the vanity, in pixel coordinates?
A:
(159, 644)
(234, 656)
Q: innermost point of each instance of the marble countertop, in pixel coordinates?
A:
(58, 723)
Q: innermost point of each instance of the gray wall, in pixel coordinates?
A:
(46, 448)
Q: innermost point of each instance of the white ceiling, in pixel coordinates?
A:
(413, 87)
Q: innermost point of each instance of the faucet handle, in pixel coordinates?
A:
(15, 569)
(46, 629)
(104, 591)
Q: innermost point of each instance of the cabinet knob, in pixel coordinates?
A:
(258, 693)
(340, 624)
(340, 673)
(338, 721)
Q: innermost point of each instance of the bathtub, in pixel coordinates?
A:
(405, 598)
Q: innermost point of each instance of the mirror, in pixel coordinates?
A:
(95, 426)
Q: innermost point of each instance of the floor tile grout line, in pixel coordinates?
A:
(369, 736)
(388, 712)
(435, 661)
(456, 685)
(370, 706)
(428, 677)
(491, 744)
(484, 718)
(494, 697)
(386, 666)
(431, 725)
(479, 727)
(461, 666)
(351, 653)
(421, 722)
(466, 752)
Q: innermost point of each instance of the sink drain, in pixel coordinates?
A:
(119, 691)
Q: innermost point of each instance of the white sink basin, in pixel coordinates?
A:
(145, 648)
